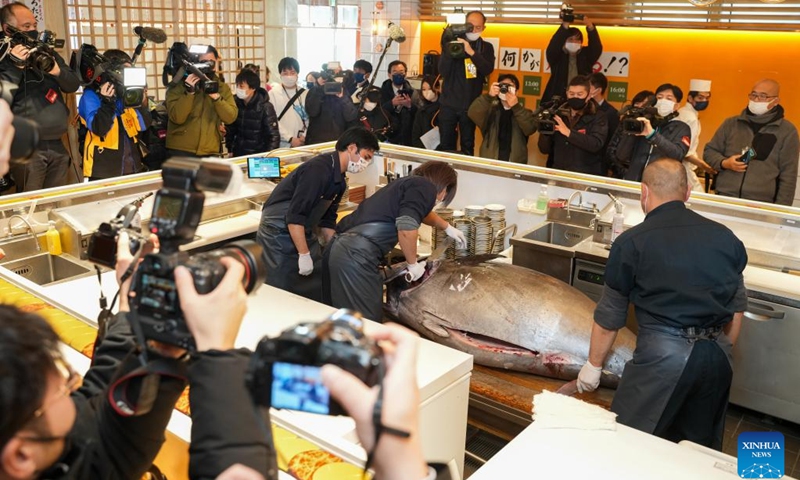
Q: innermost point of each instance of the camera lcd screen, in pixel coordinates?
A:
(135, 77)
(299, 387)
(159, 293)
(264, 167)
(168, 208)
(198, 49)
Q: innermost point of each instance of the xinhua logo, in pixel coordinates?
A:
(760, 455)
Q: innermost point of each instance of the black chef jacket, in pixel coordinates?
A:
(678, 268)
(317, 179)
(412, 197)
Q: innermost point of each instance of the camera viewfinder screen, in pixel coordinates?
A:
(299, 387)
(168, 208)
(264, 167)
(159, 293)
(135, 77)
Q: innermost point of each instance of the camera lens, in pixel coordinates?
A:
(249, 254)
(133, 97)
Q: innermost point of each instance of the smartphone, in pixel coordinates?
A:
(405, 91)
(264, 167)
(299, 387)
(747, 154)
(134, 77)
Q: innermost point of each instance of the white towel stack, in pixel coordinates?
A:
(553, 410)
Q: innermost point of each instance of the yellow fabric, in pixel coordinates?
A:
(130, 122)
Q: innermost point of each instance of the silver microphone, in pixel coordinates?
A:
(396, 33)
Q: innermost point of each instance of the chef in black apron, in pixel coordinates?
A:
(393, 214)
(306, 199)
(683, 273)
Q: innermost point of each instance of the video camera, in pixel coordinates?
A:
(632, 126)
(129, 82)
(40, 45)
(155, 306)
(284, 371)
(546, 115)
(453, 47)
(567, 13)
(183, 60)
(334, 83)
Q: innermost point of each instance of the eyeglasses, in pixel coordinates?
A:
(72, 382)
(761, 97)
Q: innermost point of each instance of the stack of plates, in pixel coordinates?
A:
(438, 236)
(497, 213)
(483, 235)
(466, 227)
(474, 211)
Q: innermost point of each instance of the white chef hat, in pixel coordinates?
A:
(696, 85)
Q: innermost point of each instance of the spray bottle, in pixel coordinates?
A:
(618, 222)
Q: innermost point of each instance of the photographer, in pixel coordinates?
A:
(578, 137)
(112, 145)
(505, 124)
(38, 98)
(668, 138)
(195, 116)
(374, 118)
(567, 57)
(396, 94)
(330, 111)
(462, 80)
(256, 127)
(51, 429)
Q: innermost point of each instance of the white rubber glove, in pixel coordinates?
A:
(457, 235)
(305, 264)
(589, 378)
(415, 271)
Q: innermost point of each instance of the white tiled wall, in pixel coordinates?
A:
(404, 13)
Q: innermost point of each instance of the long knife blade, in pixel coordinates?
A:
(402, 267)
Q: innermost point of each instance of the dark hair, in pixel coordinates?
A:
(600, 81)
(396, 62)
(7, 12)
(316, 75)
(363, 65)
(676, 90)
(249, 77)
(117, 55)
(374, 95)
(573, 31)
(430, 80)
(642, 96)
(442, 175)
(212, 49)
(508, 76)
(580, 81)
(362, 137)
(28, 346)
(476, 12)
(254, 68)
(288, 62)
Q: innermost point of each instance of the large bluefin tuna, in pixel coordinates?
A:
(506, 316)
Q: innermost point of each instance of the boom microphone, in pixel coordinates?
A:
(155, 35)
(396, 33)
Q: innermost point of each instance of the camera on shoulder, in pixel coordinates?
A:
(95, 69)
(41, 46)
(547, 112)
(284, 371)
(450, 44)
(184, 60)
(631, 125)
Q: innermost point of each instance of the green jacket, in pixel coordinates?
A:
(485, 112)
(194, 120)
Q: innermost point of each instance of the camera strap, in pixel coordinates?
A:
(135, 393)
(291, 102)
(378, 425)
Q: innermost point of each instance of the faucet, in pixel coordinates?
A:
(569, 202)
(30, 228)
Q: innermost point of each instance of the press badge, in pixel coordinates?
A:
(470, 70)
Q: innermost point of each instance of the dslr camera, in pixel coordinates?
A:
(129, 82)
(155, 306)
(103, 243)
(450, 45)
(284, 371)
(567, 13)
(41, 46)
(546, 115)
(632, 126)
(183, 60)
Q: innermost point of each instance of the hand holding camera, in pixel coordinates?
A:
(647, 127)
(191, 83)
(108, 92)
(467, 48)
(562, 127)
(20, 54)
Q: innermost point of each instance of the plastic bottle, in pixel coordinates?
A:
(618, 222)
(541, 200)
(53, 240)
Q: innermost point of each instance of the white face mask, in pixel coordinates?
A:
(665, 107)
(241, 93)
(572, 47)
(369, 106)
(472, 36)
(758, 108)
(358, 166)
(289, 80)
(429, 95)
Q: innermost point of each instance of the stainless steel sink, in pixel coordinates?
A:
(559, 234)
(45, 269)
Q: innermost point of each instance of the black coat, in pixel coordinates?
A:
(256, 127)
(583, 150)
(403, 119)
(329, 115)
(633, 152)
(559, 61)
(458, 91)
(378, 121)
(424, 121)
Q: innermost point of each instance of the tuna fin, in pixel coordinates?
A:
(434, 324)
(477, 259)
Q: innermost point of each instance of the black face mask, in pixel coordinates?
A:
(576, 103)
(33, 34)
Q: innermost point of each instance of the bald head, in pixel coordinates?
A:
(769, 86)
(665, 181)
